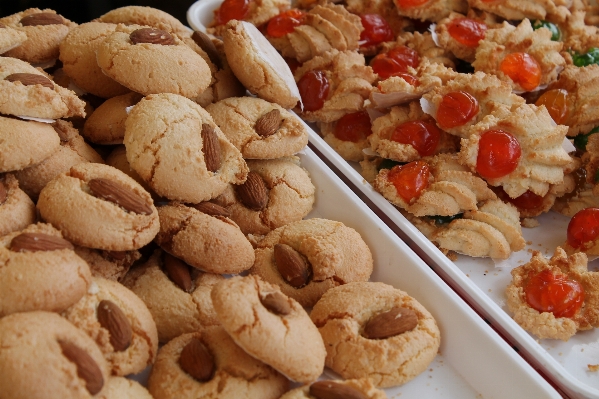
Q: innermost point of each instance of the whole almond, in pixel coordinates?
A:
(34, 242)
(390, 323)
(177, 271)
(30, 79)
(112, 318)
(152, 36)
(111, 191)
(42, 18)
(292, 265)
(253, 193)
(87, 368)
(3, 193)
(206, 44)
(276, 303)
(334, 390)
(210, 148)
(197, 361)
(269, 123)
(212, 209)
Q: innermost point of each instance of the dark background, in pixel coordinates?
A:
(81, 11)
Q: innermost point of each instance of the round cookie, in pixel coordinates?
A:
(98, 206)
(235, 373)
(111, 265)
(106, 125)
(17, 211)
(118, 159)
(270, 326)
(33, 94)
(147, 60)
(44, 356)
(149, 16)
(123, 388)
(331, 252)
(286, 195)
(176, 147)
(258, 66)
(360, 388)
(213, 244)
(179, 305)
(409, 347)
(258, 128)
(72, 151)
(78, 57)
(10, 38)
(40, 271)
(45, 29)
(130, 343)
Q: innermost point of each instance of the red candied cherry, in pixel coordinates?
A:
(395, 61)
(554, 292)
(409, 179)
(556, 102)
(314, 90)
(583, 228)
(353, 127)
(284, 23)
(232, 9)
(456, 109)
(523, 69)
(424, 136)
(528, 200)
(498, 154)
(467, 31)
(376, 30)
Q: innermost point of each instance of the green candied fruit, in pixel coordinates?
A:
(445, 219)
(589, 58)
(581, 140)
(388, 164)
(556, 34)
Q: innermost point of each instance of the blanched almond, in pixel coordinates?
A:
(292, 265)
(253, 193)
(111, 191)
(390, 323)
(87, 368)
(112, 318)
(33, 242)
(197, 361)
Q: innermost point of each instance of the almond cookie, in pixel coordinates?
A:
(521, 9)
(176, 147)
(123, 388)
(556, 319)
(308, 257)
(270, 326)
(98, 206)
(119, 322)
(45, 356)
(118, 159)
(149, 60)
(211, 243)
(360, 320)
(276, 192)
(224, 370)
(17, 211)
(78, 57)
(362, 388)
(177, 295)
(258, 66)
(10, 38)
(45, 29)
(149, 16)
(258, 128)
(111, 265)
(40, 271)
(432, 10)
(29, 92)
(106, 124)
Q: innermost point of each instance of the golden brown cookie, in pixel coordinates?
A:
(106, 124)
(359, 388)
(149, 16)
(17, 211)
(111, 265)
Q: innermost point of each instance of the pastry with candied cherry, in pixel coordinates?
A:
(406, 134)
(423, 47)
(578, 37)
(465, 100)
(432, 187)
(256, 12)
(525, 58)
(554, 298)
(348, 135)
(520, 9)
(333, 85)
(520, 150)
(429, 10)
(583, 232)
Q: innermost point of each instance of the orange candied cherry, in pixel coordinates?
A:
(284, 23)
(498, 154)
(456, 109)
(467, 31)
(376, 30)
(395, 61)
(552, 292)
(314, 89)
(231, 9)
(424, 136)
(555, 100)
(523, 69)
(583, 228)
(353, 127)
(410, 3)
(410, 179)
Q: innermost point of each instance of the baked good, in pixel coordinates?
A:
(17, 211)
(106, 124)
(256, 13)
(111, 265)
(433, 10)
(118, 159)
(123, 388)
(521, 9)
(10, 38)
(359, 388)
(149, 16)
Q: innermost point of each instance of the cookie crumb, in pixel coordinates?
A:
(530, 223)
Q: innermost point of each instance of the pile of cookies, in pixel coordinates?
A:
(154, 214)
